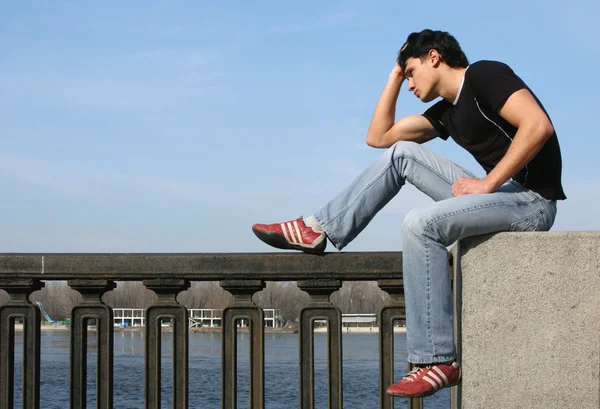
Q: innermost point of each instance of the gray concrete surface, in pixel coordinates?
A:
(528, 320)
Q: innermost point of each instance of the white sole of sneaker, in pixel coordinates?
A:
(278, 241)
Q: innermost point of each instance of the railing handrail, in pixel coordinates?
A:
(283, 266)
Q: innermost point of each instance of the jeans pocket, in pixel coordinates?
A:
(532, 222)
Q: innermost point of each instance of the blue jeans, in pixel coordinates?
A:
(428, 230)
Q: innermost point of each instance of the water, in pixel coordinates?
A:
(360, 371)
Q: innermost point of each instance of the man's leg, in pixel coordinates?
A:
(426, 233)
(344, 217)
(427, 288)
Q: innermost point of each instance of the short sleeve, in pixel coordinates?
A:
(493, 82)
(435, 115)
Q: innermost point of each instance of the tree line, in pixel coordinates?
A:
(355, 297)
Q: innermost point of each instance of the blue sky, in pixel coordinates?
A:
(174, 126)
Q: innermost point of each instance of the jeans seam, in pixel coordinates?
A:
(428, 295)
(375, 179)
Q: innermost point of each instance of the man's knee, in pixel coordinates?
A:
(415, 222)
(404, 149)
(423, 223)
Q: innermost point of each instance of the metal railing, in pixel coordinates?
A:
(167, 275)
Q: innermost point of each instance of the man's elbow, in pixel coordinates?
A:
(374, 141)
(545, 129)
(540, 128)
(548, 129)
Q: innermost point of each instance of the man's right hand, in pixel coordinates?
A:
(397, 72)
(383, 132)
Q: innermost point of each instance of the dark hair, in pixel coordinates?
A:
(418, 45)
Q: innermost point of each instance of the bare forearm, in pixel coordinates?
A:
(385, 111)
(526, 143)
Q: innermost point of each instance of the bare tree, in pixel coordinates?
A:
(286, 297)
(220, 298)
(354, 297)
(58, 299)
(270, 296)
(348, 297)
(359, 297)
(205, 295)
(129, 294)
(375, 298)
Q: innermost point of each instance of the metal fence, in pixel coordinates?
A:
(167, 275)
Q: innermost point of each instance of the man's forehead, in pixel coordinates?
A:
(411, 60)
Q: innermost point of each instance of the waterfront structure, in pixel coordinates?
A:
(197, 318)
(360, 323)
(359, 320)
(167, 275)
(349, 321)
(547, 283)
(129, 317)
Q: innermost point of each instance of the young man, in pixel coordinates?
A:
(489, 111)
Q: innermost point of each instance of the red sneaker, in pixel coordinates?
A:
(421, 382)
(292, 235)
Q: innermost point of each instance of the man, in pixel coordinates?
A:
(489, 111)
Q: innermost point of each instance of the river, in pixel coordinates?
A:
(360, 371)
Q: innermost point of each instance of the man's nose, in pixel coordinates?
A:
(411, 85)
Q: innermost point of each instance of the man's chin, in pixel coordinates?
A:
(427, 98)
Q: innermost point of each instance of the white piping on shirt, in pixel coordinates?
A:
(504, 132)
(462, 82)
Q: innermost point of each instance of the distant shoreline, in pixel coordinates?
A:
(281, 330)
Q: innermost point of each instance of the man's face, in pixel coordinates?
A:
(421, 78)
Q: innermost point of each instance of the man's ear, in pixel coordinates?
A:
(434, 58)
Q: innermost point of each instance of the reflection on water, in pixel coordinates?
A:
(360, 360)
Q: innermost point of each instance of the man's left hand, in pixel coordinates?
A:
(469, 186)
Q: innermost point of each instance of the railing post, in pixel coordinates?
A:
(243, 307)
(19, 307)
(320, 308)
(395, 309)
(92, 308)
(167, 307)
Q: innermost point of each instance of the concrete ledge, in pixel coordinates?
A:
(528, 320)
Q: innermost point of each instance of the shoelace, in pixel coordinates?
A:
(413, 374)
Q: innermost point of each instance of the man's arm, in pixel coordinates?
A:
(533, 130)
(383, 133)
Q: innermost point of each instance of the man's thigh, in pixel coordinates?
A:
(510, 208)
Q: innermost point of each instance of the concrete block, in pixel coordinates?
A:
(528, 320)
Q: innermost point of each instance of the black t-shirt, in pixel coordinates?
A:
(474, 123)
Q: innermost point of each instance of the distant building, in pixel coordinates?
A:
(353, 321)
(197, 318)
(360, 321)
